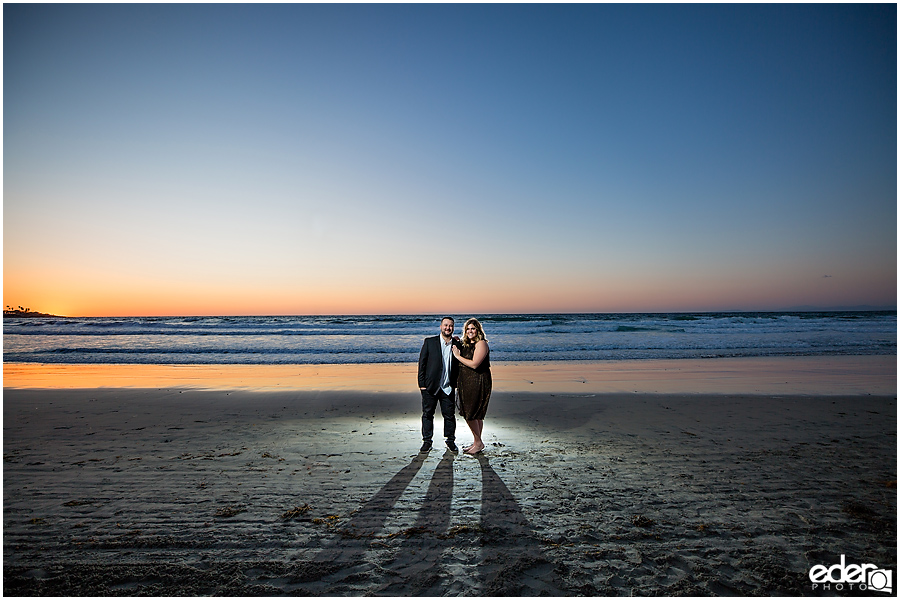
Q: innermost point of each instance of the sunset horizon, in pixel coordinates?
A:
(455, 313)
(408, 159)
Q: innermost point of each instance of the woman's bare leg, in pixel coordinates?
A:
(475, 434)
(477, 427)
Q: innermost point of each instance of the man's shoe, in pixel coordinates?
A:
(452, 445)
(426, 446)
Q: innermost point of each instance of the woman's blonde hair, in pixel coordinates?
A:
(478, 337)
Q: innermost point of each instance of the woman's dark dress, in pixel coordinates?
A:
(473, 388)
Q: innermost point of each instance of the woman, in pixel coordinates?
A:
(473, 387)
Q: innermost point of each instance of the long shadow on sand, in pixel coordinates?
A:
(346, 553)
(417, 561)
(512, 562)
(510, 559)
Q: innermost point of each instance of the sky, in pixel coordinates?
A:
(390, 159)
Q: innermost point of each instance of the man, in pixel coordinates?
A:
(437, 379)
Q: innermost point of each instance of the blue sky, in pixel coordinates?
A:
(212, 159)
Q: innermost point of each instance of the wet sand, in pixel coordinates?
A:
(185, 491)
(801, 375)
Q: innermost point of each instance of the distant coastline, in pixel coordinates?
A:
(862, 308)
(26, 313)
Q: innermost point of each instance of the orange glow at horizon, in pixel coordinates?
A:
(71, 296)
(816, 374)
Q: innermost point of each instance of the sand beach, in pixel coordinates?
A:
(598, 479)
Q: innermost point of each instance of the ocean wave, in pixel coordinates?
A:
(214, 351)
(633, 329)
(398, 338)
(376, 358)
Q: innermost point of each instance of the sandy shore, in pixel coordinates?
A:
(183, 491)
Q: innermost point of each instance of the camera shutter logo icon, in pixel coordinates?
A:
(841, 576)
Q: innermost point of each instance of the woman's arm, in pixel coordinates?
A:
(481, 351)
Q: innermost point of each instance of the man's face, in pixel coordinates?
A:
(446, 328)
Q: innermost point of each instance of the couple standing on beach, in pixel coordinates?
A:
(454, 372)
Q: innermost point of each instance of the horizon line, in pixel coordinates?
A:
(797, 309)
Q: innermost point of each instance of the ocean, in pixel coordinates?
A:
(398, 338)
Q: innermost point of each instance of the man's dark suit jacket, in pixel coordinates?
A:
(430, 367)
